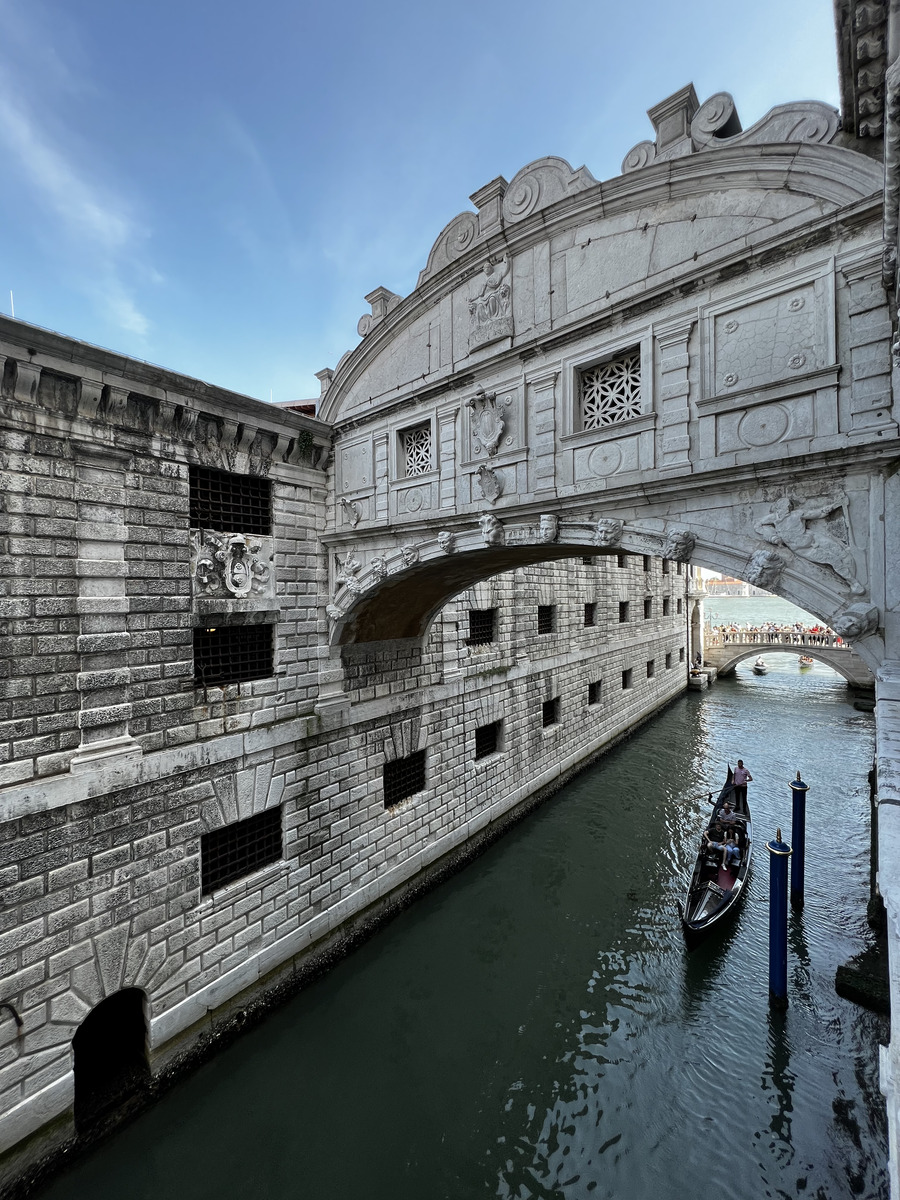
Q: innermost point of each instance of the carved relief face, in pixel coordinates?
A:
(608, 531)
(764, 569)
(410, 555)
(679, 545)
(491, 529)
(857, 621)
(549, 527)
(446, 541)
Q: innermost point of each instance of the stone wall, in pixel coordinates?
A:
(119, 765)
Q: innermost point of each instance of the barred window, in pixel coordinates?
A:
(588, 560)
(403, 778)
(230, 503)
(667, 606)
(487, 739)
(550, 712)
(678, 606)
(647, 563)
(623, 611)
(546, 618)
(669, 661)
(627, 679)
(611, 392)
(482, 626)
(648, 607)
(232, 654)
(239, 849)
(415, 444)
(594, 692)
(681, 654)
(590, 614)
(665, 566)
(651, 668)
(621, 560)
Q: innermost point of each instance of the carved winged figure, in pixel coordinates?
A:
(788, 524)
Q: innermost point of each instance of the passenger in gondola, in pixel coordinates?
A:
(728, 817)
(714, 837)
(732, 855)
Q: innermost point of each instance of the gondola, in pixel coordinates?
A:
(804, 662)
(715, 890)
(760, 667)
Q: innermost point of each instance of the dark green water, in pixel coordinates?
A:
(535, 1028)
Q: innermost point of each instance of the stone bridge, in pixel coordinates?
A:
(725, 655)
(689, 361)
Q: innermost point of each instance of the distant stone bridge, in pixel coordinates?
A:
(835, 653)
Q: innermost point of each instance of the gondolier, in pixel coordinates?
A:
(741, 778)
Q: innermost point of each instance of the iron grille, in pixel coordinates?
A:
(403, 777)
(550, 712)
(546, 614)
(590, 614)
(240, 849)
(487, 739)
(611, 392)
(623, 611)
(232, 654)
(482, 623)
(224, 501)
(621, 560)
(594, 692)
(587, 561)
(648, 607)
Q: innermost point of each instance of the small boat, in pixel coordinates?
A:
(760, 667)
(715, 890)
(804, 662)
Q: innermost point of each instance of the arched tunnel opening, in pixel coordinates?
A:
(110, 1054)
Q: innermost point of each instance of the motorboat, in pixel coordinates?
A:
(715, 890)
(804, 662)
(760, 667)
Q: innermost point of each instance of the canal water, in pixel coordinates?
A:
(534, 1028)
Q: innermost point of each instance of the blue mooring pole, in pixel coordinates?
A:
(798, 839)
(779, 853)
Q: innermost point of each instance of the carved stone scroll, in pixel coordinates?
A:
(541, 183)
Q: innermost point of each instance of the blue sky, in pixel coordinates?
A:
(214, 186)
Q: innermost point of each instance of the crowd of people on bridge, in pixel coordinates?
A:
(796, 634)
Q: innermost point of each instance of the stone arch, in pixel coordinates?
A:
(399, 604)
(763, 648)
(109, 1052)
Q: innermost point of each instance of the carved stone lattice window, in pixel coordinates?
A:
(611, 392)
(416, 446)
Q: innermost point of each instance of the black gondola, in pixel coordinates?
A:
(715, 890)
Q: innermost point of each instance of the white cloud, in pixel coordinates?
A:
(89, 223)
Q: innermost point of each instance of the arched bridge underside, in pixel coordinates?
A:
(844, 661)
(689, 361)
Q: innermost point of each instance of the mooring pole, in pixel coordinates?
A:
(778, 889)
(798, 839)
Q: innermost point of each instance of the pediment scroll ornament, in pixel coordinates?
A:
(230, 564)
(684, 127)
(487, 421)
(541, 183)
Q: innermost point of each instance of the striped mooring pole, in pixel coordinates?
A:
(779, 853)
(798, 839)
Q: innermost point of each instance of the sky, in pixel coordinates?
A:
(214, 186)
